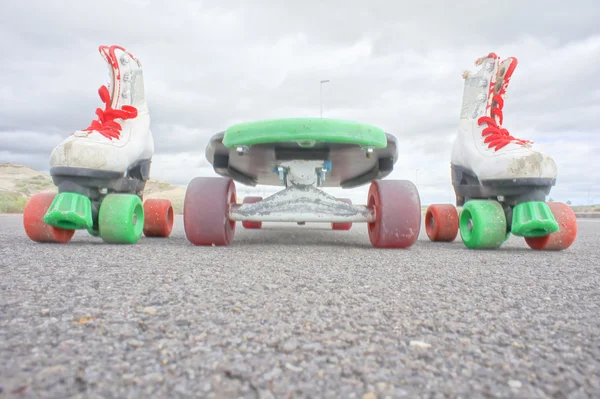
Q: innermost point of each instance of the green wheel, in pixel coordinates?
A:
(483, 224)
(121, 218)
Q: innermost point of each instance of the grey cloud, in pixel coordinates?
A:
(29, 142)
(394, 65)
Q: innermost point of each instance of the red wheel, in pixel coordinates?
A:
(206, 211)
(441, 222)
(564, 237)
(33, 221)
(246, 223)
(158, 218)
(397, 208)
(345, 225)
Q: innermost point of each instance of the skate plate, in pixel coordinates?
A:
(511, 191)
(353, 153)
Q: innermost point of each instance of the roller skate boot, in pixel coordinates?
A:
(501, 181)
(101, 171)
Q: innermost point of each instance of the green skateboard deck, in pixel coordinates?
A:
(356, 153)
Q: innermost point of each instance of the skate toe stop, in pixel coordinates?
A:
(533, 219)
(70, 211)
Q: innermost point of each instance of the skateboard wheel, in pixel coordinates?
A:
(33, 221)
(483, 224)
(566, 234)
(121, 219)
(343, 226)
(206, 211)
(247, 223)
(158, 218)
(441, 222)
(397, 209)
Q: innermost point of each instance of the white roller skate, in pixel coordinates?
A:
(101, 171)
(501, 180)
(120, 139)
(483, 148)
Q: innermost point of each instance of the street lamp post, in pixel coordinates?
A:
(321, 95)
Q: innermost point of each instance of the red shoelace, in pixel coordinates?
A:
(105, 124)
(497, 137)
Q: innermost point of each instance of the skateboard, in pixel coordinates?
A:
(302, 155)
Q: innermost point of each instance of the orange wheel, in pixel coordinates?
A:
(247, 224)
(441, 222)
(564, 237)
(344, 225)
(158, 218)
(33, 221)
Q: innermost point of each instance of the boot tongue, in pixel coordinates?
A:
(489, 68)
(113, 70)
(505, 71)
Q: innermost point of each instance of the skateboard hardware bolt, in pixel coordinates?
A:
(323, 173)
(242, 149)
(281, 171)
(368, 151)
(321, 176)
(501, 198)
(103, 190)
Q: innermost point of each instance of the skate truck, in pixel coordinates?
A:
(500, 181)
(303, 155)
(101, 171)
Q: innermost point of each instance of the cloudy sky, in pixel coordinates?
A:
(398, 66)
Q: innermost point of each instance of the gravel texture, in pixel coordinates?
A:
(297, 312)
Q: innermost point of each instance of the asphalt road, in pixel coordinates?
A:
(297, 311)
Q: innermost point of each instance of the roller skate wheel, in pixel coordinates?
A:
(482, 224)
(121, 219)
(441, 222)
(33, 221)
(566, 234)
(158, 218)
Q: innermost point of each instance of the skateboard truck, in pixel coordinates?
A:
(302, 203)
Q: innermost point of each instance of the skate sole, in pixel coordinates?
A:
(91, 183)
(467, 186)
